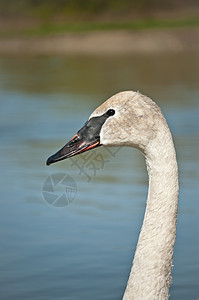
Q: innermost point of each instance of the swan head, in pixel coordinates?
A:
(126, 119)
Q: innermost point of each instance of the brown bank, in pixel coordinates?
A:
(106, 42)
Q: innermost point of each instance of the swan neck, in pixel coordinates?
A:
(150, 276)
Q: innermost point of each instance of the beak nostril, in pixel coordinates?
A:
(74, 140)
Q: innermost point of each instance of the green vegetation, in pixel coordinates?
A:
(61, 28)
(45, 17)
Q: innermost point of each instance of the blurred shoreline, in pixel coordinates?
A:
(104, 42)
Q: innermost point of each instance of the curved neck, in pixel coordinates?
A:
(150, 276)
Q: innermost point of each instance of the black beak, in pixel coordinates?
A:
(88, 137)
(75, 146)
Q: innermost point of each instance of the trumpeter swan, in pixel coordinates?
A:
(131, 119)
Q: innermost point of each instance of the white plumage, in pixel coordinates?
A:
(138, 122)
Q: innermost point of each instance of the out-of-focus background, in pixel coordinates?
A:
(59, 60)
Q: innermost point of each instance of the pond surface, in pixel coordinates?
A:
(83, 250)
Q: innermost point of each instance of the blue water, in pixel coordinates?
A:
(84, 250)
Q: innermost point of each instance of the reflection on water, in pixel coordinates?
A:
(84, 250)
(88, 75)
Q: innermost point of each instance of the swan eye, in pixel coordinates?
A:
(110, 112)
